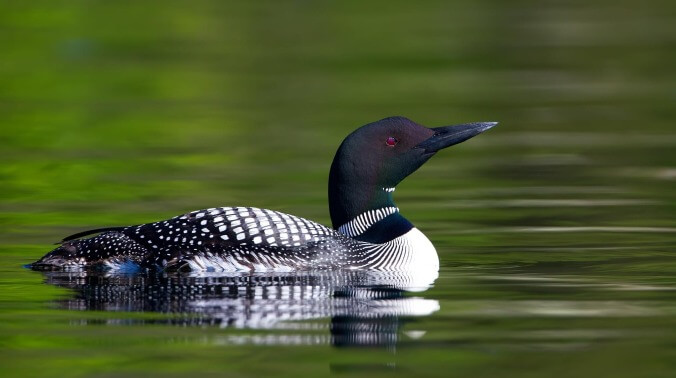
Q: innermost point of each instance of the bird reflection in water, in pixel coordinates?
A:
(365, 308)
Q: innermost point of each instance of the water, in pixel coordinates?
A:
(555, 230)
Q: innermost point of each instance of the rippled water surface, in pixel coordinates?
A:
(556, 230)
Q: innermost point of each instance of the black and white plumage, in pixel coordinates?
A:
(230, 239)
(369, 232)
(364, 221)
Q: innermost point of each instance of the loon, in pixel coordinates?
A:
(368, 233)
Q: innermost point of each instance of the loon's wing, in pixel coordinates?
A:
(91, 232)
(234, 238)
(239, 226)
(221, 239)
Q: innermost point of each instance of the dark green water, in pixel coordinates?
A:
(556, 230)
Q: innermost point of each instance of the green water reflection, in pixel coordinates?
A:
(556, 230)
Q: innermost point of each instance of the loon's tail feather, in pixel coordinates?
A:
(90, 232)
(107, 250)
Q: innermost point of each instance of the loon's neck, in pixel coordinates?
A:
(360, 200)
(368, 215)
(377, 230)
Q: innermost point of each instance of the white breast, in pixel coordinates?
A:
(422, 254)
(411, 252)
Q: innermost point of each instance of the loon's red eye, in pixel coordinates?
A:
(391, 141)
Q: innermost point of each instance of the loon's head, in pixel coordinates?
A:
(373, 159)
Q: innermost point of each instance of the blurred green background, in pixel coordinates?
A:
(122, 112)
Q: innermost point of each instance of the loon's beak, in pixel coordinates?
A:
(447, 136)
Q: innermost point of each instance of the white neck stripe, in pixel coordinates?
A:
(364, 221)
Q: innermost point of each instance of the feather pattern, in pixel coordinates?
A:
(234, 239)
(364, 221)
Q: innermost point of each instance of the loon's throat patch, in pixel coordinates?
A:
(364, 221)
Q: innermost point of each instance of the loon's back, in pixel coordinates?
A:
(220, 239)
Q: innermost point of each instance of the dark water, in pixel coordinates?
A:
(556, 230)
